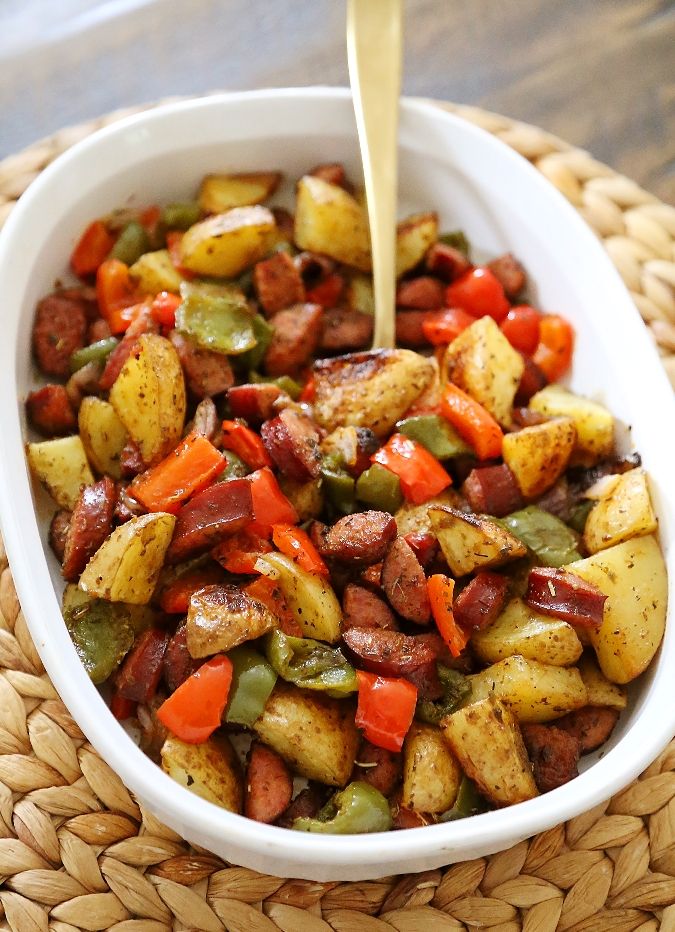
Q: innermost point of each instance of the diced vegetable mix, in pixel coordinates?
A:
(419, 578)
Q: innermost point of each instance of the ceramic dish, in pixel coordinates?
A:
(476, 183)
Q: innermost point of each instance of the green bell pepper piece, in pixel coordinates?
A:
(551, 541)
(211, 287)
(458, 240)
(380, 488)
(236, 468)
(101, 633)
(223, 324)
(357, 809)
(253, 680)
(95, 352)
(580, 513)
(181, 215)
(292, 388)
(310, 664)
(436, 434)
(339, 487)
(132, 242)
(263, 333)
(469, 802)
(456, 689)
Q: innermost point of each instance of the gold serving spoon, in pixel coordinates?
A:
(374, 60)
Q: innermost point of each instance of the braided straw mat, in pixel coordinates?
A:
(78, 853)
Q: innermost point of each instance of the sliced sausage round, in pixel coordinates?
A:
(345, 330)
(292, 440)
(90, 524)
(361, 538)
(380, 768)
(404, 583)
(269, 785)
(58, 533)
(207, 373)
(60, 328)
(390, 653)
(554, 754)
(50, 411)
(362, 608)
(591, 726)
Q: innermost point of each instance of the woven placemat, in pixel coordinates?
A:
(78, 853)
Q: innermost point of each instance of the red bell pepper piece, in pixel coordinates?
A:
(115, 292)
(270, 505)
(553, 355)
(562, 594)
(442, 327)
(441, 591)
(175, 598)
(186, 470)
(385, 709)
(268, 592)
(420, 473)
(238, 554)
(122, 708)
(521, 328)
(149, 218)
(296, 544)
(92, 249)
(327, 292)
(480, 293)
(472, 421)
(193, 712)
(308, 393)
(164, 307)
(246, 444)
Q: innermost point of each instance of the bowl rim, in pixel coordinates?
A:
(496, 827)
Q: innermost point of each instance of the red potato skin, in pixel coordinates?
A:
(422, 294)
(404, 582)
(510, 273)
(390, 653)
(90, 524)
(479, 603)
(59, 329)
(332, 172)
(209, 517)
(139, 675)
(58, 533)
(361, 608)
(269, 785)
(277, 283)
(409, 330)
(446, 262)
(297, 332)
(554, 754)
(590, 726)
(206, 373)
(345, 330)
(292, 441)
(253, 402)
(50, 411)
(360, 538)
(142, 323)
(177, 663)
(492, 490)
(564, 595)
(387, 771)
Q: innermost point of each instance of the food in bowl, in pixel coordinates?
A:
(417, 578)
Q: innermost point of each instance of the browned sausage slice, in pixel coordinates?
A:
(492, 490)
(361, 608)
(591, 726)
(269, 785)
(446, 262)
(510, 273)
(422, 294)
(209, 517)
(479, 603)
(278, 283)
(254, 402)
(404, 583)
(379, 767)
(90, 524)
(531, 381)
(58, 533)
(564, 595)
(554, 754)
(305, 805)
(407, 818)
(345, 330)
(60, 328)
(98, 330)
(292, 440)
(390, 653)
(50, 411)
(409, 330)
(297, 331)
(138, 677)
(361, 538)
(178, 663)
(207, 373)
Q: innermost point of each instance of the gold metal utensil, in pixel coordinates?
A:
(374, 60)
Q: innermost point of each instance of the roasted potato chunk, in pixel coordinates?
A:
(103, 435)
(415, 519)
(535, 692)
(316, 735)
(482, 362)
(600, 691)
(221, 617)
(61, 466)
(309, 597)
(538, 455)
(486, 740)
(226, 244)
(624, 513)
(633, 576)
(305, 497)
(218, 193)
(469, 541)
(371, 389)
(211, 770)
(593, 422)
(155, 272)
(414, 236)
(520, 630)
(431, 774)
(149, 397)
(126, 566)
(329, 220)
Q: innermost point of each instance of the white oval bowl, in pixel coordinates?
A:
(476, 183)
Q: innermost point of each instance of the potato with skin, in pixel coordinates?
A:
(226, 244)
(538, 455)
(486, 740)
(305, 497)
(222, 191)
(330, 221)
(482, 362)
(625, 512)
(633, 576)
(594, 423)
(520, 630)
(154, 272)
(415, 519)
(431, 774)
(369, 389)
(309, 597)
(535, 692)
(315, 734)
(414, 237)
(103, 435)
(471, 541)
(600, 691)
(211, 770)
(221, 617)
(126, 566)
(61, 466)
(149, 397)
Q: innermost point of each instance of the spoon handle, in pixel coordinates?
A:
(374, 60)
